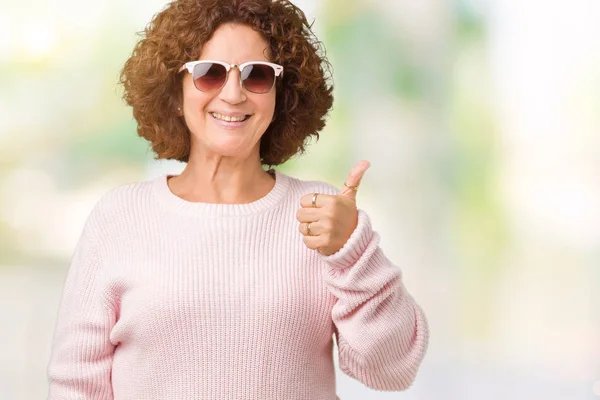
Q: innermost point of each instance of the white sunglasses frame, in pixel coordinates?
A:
(191, 64)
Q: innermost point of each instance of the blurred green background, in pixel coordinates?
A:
(482, 124)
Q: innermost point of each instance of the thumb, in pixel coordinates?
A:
(354, 178)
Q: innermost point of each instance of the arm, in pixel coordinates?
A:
(81, 360)
(381, 332)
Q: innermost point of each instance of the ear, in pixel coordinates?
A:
(177, 102)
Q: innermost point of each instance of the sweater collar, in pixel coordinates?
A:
(198, 209)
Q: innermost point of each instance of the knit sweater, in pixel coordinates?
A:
(170, 299)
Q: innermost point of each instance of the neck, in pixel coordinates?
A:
(222, 180)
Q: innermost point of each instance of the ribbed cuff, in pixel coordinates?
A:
(356, 245)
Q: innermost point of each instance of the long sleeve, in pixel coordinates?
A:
(381, 332)
(81, 359)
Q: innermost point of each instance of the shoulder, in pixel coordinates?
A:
(119, 201)
(125, 195)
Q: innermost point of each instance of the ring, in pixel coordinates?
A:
(308, 232)
(351, 187)
(314, 200)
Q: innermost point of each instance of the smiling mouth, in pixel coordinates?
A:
(228, 118)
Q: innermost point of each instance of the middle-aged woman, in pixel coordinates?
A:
(230, 281)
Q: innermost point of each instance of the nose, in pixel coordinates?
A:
(232, 92)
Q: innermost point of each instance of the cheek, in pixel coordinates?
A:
(194, 104)
(267, 107)
(193, 99)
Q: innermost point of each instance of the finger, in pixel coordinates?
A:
(322, 200)
(315, 229)
(312, 242)
(354, 178)
(308, 214)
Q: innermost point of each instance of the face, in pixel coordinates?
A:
(204, 111)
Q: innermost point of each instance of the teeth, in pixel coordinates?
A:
(227, 117)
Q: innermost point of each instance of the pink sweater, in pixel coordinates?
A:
(169, 299)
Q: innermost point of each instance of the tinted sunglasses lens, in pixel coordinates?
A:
(209, 76)
(258, 78)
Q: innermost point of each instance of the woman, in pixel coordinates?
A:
(228, 281)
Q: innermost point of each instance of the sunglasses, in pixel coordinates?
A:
(255, 76)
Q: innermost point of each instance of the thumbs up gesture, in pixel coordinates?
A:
(327, 221)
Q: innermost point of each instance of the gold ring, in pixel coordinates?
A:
(355, 188)
(308, 232)
(314, 200)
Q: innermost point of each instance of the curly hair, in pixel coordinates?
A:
(153, 87)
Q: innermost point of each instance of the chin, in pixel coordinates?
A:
(230, 149)
(227, 144)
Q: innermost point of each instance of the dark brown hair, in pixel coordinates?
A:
(152, 85)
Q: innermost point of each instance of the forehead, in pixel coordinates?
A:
(235, 43)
